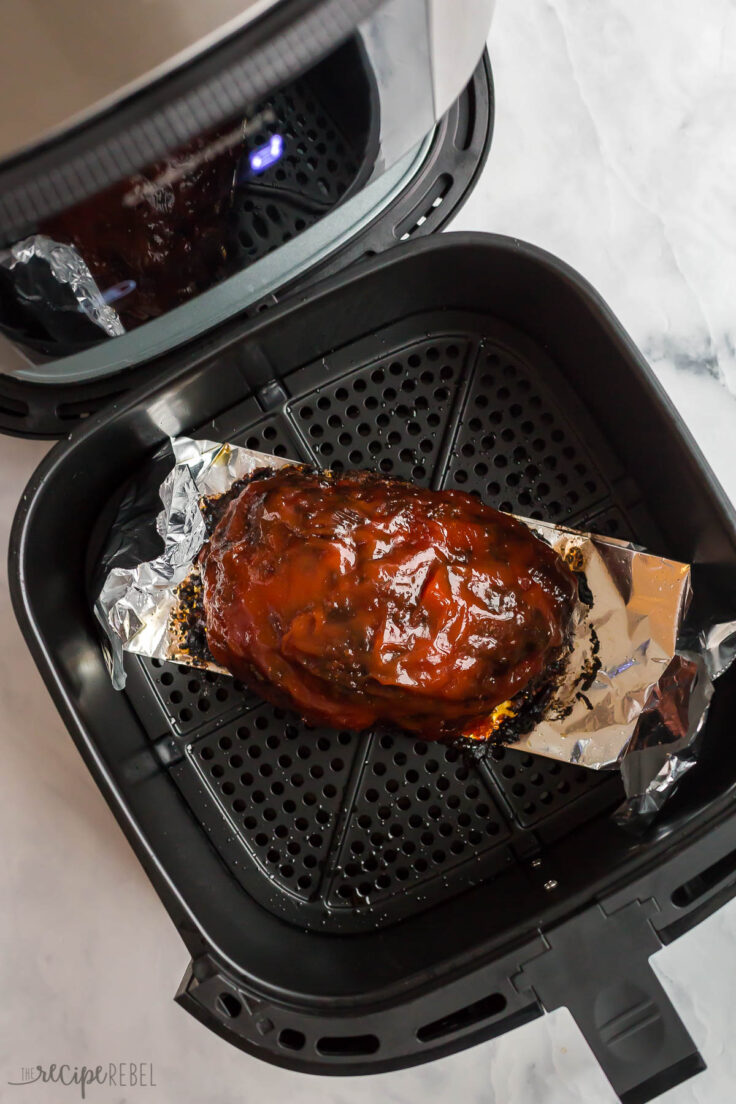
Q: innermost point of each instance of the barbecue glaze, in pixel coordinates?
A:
(355, 598)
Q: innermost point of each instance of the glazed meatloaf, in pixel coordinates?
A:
(355, 598)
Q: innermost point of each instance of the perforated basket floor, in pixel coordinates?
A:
(316, 170)
(343, 831)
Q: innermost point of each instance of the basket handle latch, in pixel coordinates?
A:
(597, 965)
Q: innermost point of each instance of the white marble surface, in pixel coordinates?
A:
(615, 148)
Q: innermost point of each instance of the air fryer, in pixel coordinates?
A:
(275, 154)
(353, 903)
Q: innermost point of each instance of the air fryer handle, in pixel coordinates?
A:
(638, 1039)
(597, 965)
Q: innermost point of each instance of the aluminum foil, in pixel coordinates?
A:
(66, 268)
(136, 604)
(635, 690)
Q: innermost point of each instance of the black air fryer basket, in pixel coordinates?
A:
(357, 903)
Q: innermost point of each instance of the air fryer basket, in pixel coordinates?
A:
(360, 902)
(343, 832)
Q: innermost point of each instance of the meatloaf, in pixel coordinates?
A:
(355, 598)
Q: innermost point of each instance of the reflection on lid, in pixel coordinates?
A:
(119, 291)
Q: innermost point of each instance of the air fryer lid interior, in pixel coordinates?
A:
(470, 361)
(79, 281)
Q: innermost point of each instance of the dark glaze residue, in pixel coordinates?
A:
(356, 598)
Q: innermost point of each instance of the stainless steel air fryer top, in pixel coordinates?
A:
(179, 162)
(79, 58)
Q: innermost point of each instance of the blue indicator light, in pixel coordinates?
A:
(265, 156)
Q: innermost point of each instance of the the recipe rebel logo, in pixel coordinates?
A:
(113, 1075)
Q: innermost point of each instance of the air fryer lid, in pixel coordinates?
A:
(172, 74)
(126, 212)
(208, 177)
(312, 196)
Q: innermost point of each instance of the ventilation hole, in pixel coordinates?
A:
(291, 1039)
(344, 1046)
(463, 1018)
(696, 887)
(228, 1005)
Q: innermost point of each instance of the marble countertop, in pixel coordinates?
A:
(615, 148)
